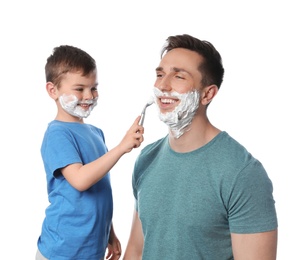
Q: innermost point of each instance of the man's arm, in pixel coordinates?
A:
(135, 243)
(256, 246)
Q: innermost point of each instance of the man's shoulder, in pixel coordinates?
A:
(154, 147)
(147, 156)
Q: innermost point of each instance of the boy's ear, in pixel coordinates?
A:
(52, 90)
(208, 94)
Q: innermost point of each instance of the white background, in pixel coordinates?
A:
(261, 102)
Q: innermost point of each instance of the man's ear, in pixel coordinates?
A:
(52, 90)
(208, 94)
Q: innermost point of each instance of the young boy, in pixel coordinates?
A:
(78, 221)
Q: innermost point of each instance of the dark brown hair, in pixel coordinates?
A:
(65, 59)
(211, 68)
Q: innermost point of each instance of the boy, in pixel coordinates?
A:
(78, 221)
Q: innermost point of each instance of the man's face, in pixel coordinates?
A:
(177, 72)
(177, 89)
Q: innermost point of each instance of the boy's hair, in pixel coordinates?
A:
(65, 59)
(211, 68)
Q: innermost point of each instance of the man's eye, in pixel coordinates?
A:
(159, 75)
(94, 89)
(79, 89)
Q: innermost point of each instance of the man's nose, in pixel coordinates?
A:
(165, 84)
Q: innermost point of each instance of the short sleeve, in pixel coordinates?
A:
(59, 150)
(251, 206)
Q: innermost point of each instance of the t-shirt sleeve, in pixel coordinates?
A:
(59, 150)
(251, 205)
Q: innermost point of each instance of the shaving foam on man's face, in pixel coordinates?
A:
(181, 117)
(74, 107)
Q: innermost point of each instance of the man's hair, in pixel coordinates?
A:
(65, 59)
(211, 68)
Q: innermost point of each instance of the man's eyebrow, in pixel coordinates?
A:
(175, 69)
(159, 69)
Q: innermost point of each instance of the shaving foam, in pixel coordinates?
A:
(71, 105)
(181, 117)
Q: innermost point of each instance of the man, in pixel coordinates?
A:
(199, 193)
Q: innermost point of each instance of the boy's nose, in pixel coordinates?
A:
(88, 95)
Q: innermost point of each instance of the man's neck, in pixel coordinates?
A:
(200, 132)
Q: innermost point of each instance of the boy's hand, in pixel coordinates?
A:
(113, 249)
(133, 137)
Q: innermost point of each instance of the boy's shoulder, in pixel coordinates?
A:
(72, 127)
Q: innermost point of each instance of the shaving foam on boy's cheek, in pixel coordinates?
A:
(70, 104)
(181, 117)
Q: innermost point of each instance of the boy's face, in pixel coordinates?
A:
(76, 96)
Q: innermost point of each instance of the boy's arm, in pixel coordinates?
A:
(82, 177)
(255, 246)
(135, 243)
(114, 246)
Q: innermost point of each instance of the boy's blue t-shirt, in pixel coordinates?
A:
(77, 224)
(190, 203)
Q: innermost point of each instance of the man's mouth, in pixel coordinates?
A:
(167, 101)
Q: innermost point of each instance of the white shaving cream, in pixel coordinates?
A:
(181, 117)
(71, 105)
